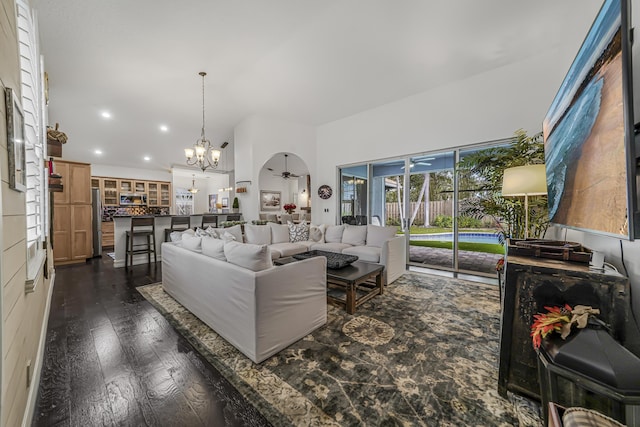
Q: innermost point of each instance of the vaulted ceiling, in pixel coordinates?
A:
(305, 61)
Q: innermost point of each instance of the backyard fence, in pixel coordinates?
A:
(436, 207)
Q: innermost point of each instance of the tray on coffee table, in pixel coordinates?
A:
(334, 259)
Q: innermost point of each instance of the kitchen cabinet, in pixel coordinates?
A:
(109, 192)
(158, 192)
(107, 233)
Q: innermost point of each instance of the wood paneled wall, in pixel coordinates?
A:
(22, 314)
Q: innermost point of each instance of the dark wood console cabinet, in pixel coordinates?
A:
(532, 283)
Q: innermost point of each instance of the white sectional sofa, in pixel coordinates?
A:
(235, 289)
(370, 243)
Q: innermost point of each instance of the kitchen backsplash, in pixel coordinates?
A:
(110, 211)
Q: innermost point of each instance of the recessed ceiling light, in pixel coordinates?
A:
(147, 158)
(98, 152)
(106, 114)
(164, 128)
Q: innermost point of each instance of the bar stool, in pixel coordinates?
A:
(141, 226)
(178, 223)
(209, 221)
(235, 217)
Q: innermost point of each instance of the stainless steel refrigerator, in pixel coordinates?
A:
(96, 216)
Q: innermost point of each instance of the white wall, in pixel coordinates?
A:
(205, 185)
(132, 173)
(256, 140)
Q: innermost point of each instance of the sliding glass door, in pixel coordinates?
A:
(431, 204)
(479, 248)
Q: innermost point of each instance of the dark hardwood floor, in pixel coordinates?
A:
(112, 359)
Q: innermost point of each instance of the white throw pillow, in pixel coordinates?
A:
(193, 243)
(333, 234)
(176, 236)
(235, 231)
(213, 247)
(377, 235)
(257, 234)
(316, 232)
(279, 233)
(355, 235)
(252, 257)
(298, 232)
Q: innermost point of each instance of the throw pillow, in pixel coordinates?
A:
(316, 233)
(298, 232)
(200, 232)
(176, 236)
(355, 235)
(333, 234)
(235, 231)
(279, 233)
(257, 234)
(212, 232)
(213, 247)
(377, 235)
(252, 257)
(193, 243)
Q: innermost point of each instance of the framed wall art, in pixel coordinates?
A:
(270, 200)
(15, 142)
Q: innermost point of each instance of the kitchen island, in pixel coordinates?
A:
(122, 224)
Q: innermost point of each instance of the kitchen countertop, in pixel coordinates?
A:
(166, 216)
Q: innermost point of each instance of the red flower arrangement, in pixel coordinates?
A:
(289, 207)
(559, 319)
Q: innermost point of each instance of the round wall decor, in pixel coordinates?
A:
(325, 192)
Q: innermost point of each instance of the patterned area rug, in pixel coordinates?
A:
(424, 353)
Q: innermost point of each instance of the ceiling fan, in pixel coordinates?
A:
(286, 174)
(422, 162)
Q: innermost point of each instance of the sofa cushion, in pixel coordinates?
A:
(316, 232)
(213, 247)
(279, 233)
(364, 253)
(193, 243)
(288, 249)
(307, 244)
(176, 236)
(298, 232)
(355, 234)
(377, 235)
(235, 231)
(333, 234)
(257, 234)
(331, 247)
(249, 256)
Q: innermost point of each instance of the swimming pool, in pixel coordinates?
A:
(462, 237)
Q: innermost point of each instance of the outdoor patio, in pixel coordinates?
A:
(467, 260)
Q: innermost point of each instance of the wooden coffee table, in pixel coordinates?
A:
(360, 281)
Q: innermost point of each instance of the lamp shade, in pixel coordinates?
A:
(529, 180)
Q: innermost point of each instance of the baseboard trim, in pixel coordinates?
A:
(27, 419)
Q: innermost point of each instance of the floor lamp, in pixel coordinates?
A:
(530, 180)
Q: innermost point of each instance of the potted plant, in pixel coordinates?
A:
(236, 205)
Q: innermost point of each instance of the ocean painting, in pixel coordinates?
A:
(584, 134)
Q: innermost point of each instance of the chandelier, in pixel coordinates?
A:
(193, 189)
(202, 154)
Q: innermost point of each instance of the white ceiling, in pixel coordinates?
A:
(305, 61)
